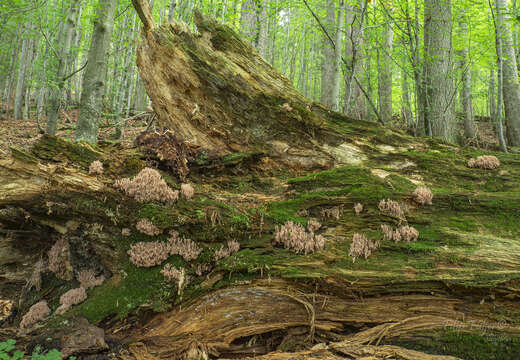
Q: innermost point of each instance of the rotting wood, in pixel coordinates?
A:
(214, 90)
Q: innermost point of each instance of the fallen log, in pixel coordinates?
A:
(435, 298)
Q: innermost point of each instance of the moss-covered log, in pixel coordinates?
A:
(453, 293)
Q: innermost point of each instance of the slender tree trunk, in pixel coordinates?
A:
(438, 68)
(470, 128)
(12, 73)
(125, 82)
(336, 66)
(327, 63)
(406, 108)
(56, 92)
(263, 35)
(385, 69)
(249, 21)
(510, 85)
(353, 104)
(492, 99)
(171, 10)
(22, 72)
(287, 39)
(500, 87)
(91, 105)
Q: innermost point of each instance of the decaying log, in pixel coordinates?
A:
(258, 318)
(213, 89)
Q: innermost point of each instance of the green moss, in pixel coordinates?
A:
(235, 157)
(162, 216)
(339, 177)
(23, 155)
(466, 345)
(55, 149)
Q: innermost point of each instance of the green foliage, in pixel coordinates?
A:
(8, 351)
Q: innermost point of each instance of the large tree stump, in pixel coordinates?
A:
(214, 90)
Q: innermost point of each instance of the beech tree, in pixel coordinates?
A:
(91, 105)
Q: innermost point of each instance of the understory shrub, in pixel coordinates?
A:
(8, 351)
(362, 247)
(147, 186)
(488, 162)
(294, 237)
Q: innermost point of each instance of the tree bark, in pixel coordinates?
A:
(171, 10)
(438, 69)
(470, 128)
(406, 108)
(25, 59)
(249, 21)
(327, 62)
(56, 92)
(91, 105)
(263, 30)
(385, 68)
(511, 86)
(353, 104)
(336, 68)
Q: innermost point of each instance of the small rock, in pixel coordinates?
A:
(83, 338)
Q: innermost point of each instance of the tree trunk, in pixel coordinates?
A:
(353, 104)
(56, 92)
(12, 73)
(249, 21)
(25, 59)
(500, 87)
(438, 69)
(385, 68)
(406, 108)
(470, 128)
(171, 10)
(91, 105)
(327, 62)
(336, 66)
(263, 31)
(511, 87)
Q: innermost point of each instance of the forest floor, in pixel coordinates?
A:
(23, 133)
